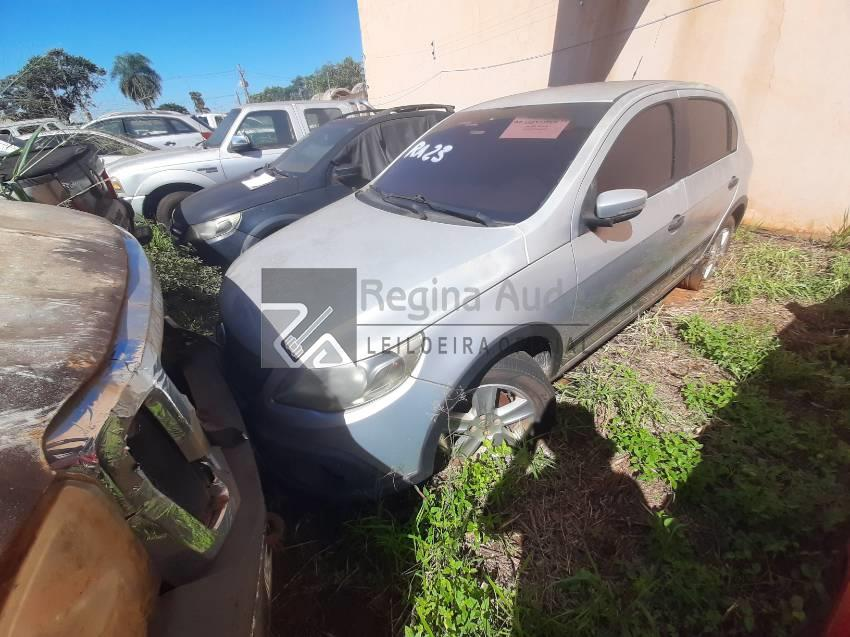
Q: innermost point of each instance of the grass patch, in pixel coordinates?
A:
(776, 271)
(636, 420)
(454, 596)
(839, 238)
(189, 287)
(706, 398)
(738, 348)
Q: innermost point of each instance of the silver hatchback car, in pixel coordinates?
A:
(430, 310)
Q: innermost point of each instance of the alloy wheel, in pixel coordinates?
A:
(497, 413)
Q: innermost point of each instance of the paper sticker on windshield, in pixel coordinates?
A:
(534, 128)
(260, 180)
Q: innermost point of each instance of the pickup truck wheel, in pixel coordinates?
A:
(513, 402)
(706, 268)
(165, 207)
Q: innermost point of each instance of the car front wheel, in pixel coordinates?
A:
(513, 402)
(166, 206)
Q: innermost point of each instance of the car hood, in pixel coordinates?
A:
(235, 196)
(386, 249)
(61, 296)
(163, 159)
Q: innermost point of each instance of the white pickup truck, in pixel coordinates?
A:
(248, 138)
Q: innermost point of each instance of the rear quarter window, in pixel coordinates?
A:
(180, 127)
(708, 133)
(317, 116)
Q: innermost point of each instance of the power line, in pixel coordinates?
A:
(399, 94)
(189, 77)
(464, 36)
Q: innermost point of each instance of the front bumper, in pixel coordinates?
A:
(381, 447)
(232, 596)
(137, 204)
(183, 473)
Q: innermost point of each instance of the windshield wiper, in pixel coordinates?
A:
(422, 202)
(395, 200)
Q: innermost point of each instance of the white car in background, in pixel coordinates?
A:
(248, 138)
(24, 128)
(163, 129)
(209, 119)
(110, 148)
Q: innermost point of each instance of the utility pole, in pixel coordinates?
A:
(238, 101)
(243, 82)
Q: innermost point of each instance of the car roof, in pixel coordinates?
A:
(358, 122)
(98, 133)
(151, 113)
(592, 92)
(258, 106)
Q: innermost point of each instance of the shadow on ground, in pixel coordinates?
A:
(750, 544)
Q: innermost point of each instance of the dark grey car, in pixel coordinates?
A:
(345, 154)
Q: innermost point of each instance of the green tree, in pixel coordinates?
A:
(340, 74)
(198, 101)
(173, 106)
(137, 79)
(51, 85)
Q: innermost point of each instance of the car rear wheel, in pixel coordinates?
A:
(513, 402)
(706, 268)
(166, 206)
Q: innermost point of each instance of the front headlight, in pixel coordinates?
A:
(345, 386)
(117, 187)
(218, 228)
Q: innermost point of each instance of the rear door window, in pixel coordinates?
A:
(317, 116)
(267, 129)
(115, 126)
(146, 126)
(642, 155)
(708, 134)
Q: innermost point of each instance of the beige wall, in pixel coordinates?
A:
(786, 65)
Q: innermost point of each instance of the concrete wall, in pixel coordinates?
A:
(785, 63)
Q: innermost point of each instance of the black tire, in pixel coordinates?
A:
(165, 207)
(521, 372)
(707, 266)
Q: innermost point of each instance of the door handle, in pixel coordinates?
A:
(677, 222)
(170, 144)
(733, 182)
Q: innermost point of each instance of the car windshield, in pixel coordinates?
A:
(305, 154)
(500, 162)
(221, 130)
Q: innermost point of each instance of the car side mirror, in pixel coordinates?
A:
(341, 172)
(616, 206)
(240, 143)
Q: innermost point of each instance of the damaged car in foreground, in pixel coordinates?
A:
(130, 499)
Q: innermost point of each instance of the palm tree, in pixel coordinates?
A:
(137, 79)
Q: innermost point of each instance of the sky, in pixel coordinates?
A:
(192, 45)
